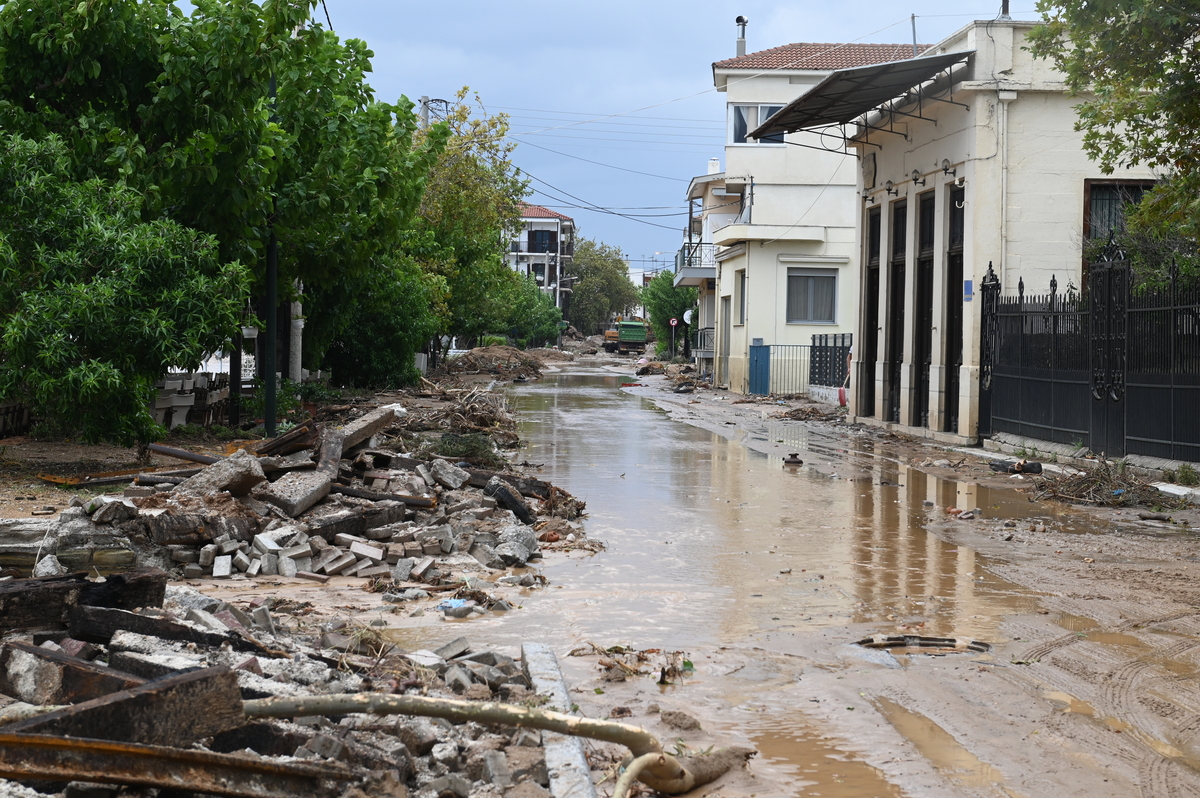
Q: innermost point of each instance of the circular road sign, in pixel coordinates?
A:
(674, 322)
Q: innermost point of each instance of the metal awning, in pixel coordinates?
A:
(849, 93)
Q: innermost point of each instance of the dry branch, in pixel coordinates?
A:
(667, 774)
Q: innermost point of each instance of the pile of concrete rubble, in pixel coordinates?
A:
(323, 502)
(163, 671)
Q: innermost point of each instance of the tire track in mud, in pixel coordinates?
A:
(1117, 692)
(1043, 650)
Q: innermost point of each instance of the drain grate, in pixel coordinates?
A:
(931, 645)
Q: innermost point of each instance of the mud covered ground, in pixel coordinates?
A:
(1090, 687)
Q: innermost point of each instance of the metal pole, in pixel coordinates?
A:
(914, 27)
(235, 382)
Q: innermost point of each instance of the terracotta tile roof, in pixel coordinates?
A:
(538, 212)
(813, 55)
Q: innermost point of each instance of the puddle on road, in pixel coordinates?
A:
(811, 763)
(939, 747)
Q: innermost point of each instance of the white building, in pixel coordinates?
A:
(773, 252)
(969, 160)
(543, 249)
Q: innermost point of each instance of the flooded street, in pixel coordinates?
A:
(764, 575)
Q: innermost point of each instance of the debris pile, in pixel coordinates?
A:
(1107, 484)
(131, 681)
(474, 410)
(808, 413)
(322, 503)
(505, 362)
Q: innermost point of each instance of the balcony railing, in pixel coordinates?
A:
(703, 340)
(696, 256)
(523, 248)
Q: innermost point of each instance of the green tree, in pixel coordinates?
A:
(180, 108)
(96, 305)
(471, 200)
(1136, 68)
(532, 317)
(601, 288)
(664, 301)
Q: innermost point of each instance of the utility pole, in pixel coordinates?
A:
(914, 27)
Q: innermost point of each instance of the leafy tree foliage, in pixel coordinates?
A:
(532, 317)
(96, 305)
(1136, 65)
(390, 325)
(664, 301)
(180, 107)
(472, 197)
(602, 287)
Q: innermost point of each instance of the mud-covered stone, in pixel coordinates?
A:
(447, 475)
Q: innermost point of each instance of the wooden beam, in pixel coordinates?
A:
(99, 624)
(34, 756)
(173, 711)
(42, 676)
(29, 603)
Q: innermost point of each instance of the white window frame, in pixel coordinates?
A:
(739, 297)
(810, 272)
(759, 119)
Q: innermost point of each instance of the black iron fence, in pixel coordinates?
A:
(828, 365)
(1116, 370)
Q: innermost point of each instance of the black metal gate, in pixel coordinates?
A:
(1108, 289)
(1117, 371)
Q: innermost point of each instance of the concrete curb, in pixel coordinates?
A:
(570, 776)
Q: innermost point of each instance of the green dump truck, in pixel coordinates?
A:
(630, 337)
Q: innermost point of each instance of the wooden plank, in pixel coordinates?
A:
(32, 756)
(303, 436)
(29, 603)
(173, 711)
(43, 676)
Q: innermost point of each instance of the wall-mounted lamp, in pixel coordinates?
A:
(946, 170)
(916, 178)
(892, 192)
(867, 198)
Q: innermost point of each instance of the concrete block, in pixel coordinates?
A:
(310, 576)
(374, 553)
(303, 563)
(448, 475)
(255, 568)
(340, 564)
(270, 564)
(326, 556)
(296, 551)
(206, 619)
(207, 555)
(565, 760)
(495, 769)
(297, 491)
(266, 544)
(112, 512)
(458, 678)
(360, 429)
(287, 566)
(228, 547)
(402, 569)
(455, 648)
(421, 568)
(373, 571)
(346, 540)
(222, 567)
(237, 474)
(241, 561)
(193, 571)
(263, 620)
(184, 555)
(139, 491)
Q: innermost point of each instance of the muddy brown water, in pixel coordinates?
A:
(716, 546)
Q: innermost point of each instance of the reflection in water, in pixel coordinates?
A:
(939, 746)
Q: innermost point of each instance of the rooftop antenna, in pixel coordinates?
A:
(914, 27)
(741, 42)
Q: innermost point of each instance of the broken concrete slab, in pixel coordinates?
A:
(237, 474)
(297, 491)
(41, 676)
(447, 475)
(363, 428)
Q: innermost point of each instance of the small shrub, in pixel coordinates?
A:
(1187, 475)
(493, 340)
(474, 447)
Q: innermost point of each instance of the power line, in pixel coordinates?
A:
(590, 206)
(598, 163)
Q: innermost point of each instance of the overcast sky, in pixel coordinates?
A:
(624, 84)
